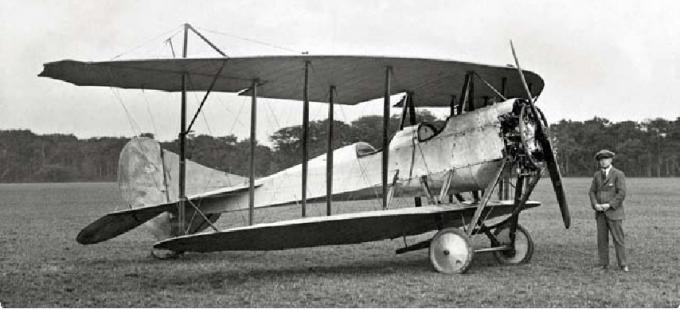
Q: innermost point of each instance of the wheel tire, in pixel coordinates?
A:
(524, 246)
(450, 251)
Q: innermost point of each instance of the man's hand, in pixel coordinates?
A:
(598, 207)
(605, 207)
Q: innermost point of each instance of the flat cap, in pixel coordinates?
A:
(604, 153)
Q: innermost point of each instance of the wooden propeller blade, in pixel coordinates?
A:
(542, 136)
(555, 177)
(521, 75)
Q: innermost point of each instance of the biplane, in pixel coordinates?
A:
(495, 138)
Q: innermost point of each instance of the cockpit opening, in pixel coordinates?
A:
(426, 131)
(364, 149)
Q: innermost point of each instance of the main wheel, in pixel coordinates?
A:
(523, 249)
(450, 251)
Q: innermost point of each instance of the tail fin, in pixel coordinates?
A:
(149, 175)
(148, 180)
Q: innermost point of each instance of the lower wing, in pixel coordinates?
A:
(335, 230)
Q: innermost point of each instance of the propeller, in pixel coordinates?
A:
(549, 155)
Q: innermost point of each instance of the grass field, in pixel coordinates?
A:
(42, 265)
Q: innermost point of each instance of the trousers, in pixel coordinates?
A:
(606, 226)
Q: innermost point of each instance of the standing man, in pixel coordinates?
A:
(606, 197)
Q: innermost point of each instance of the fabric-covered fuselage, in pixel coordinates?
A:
(469, 145)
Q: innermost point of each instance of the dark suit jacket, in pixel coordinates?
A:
(612, 190)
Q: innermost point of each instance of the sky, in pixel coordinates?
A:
(614, 59)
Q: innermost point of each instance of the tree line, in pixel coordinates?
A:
(649, 148)
(29, 157)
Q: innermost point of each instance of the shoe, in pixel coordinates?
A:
(603, 267)
(624, 269)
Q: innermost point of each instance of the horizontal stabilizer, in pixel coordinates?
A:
(119, 222)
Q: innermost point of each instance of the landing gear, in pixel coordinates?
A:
(450, 251)
(520, 252)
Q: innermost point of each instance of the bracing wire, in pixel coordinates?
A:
(207, 125)
(373, 188)
(318, 111)
(252, 40)
(238, 115)
(211, 180)
(175, 30)
(203, 115)
(364, 175)
(229, 110)
(276, 120)
(172, 48)
(148, 110)
(341, 107)
(231, 130)
(205, 120)
(130, 119)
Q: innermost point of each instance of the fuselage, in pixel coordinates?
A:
(470, 146)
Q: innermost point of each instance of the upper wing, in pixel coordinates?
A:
(356, 78)
(334, 230)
